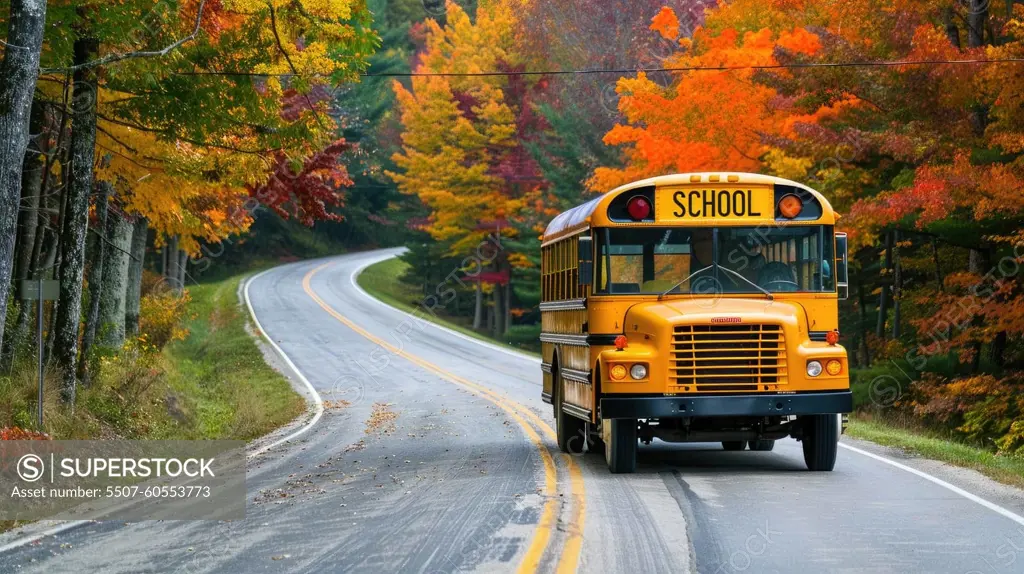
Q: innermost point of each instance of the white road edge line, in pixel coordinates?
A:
(358, 270)
(952, 488)
(314, 396)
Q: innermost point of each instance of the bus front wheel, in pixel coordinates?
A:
(620, 445)
(761, 444)
(820, 441)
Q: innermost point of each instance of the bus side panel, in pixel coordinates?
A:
(574, 364)
(547, 352)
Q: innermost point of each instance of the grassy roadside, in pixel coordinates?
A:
(382, 280)
(1005, 469)
(224, 386)
(213, 384)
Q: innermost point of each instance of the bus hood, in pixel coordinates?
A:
(653, 318)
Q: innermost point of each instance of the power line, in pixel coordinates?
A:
(620, 71)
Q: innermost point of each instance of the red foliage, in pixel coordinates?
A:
(306, 192)
(16, 433)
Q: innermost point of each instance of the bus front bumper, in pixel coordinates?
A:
(647, 407)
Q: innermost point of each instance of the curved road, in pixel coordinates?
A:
(434, 453)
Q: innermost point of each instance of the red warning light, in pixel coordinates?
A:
(638, 207)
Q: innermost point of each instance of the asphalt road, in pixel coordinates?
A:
(434, 453)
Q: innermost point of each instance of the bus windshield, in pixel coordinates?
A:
(715, 260)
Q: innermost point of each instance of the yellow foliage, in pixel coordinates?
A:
(162, 316)
(780, 164)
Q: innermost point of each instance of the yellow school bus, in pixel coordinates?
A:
(696, 307)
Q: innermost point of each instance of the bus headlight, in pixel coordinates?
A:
(638, 371)
(617, 372)
(813, 368)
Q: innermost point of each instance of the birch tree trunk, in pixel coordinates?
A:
(171, 263)
(182, 268)
(478, 306)
(115, 281)
(28, 223)
(83, 149)
(18, 72)
(96, 262)
(133, 295)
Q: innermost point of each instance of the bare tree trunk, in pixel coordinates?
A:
(499, 311)
(53, 253)
(883, 295)
(18, 72)
(31, 190)
(133, 296)
(938, 268)
(115, 280)
(976, 265)
(862, 303)
(897, 285)
(977, 17)
(508, 305)
(28, 223)
(478, 306)
(83, 149)
(96, 262)
(171, 261)
(952, 32)
(182, 268)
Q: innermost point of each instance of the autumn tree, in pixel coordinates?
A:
(184, 138)
(467, 173)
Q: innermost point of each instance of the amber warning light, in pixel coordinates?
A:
(790, 206)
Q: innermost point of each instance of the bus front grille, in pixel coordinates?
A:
(728, 358)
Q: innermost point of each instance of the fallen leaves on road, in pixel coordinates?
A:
(382, 419)
(336, 405)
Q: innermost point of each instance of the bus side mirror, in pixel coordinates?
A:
(586, 260)
(842, 267)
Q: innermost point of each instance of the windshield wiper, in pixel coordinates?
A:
(752, 284)
(674, 287)
(723, 268)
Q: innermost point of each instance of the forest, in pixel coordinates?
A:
(147, 144)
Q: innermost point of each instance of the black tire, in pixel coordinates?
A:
(761, 445)
(734, 444)
(620, 449)
(569, 430)
(820, 441)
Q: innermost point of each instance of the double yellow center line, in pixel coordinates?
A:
(569, 558)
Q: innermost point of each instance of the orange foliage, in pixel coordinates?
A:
(666, 23)
(707, 120)
(16, 433)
